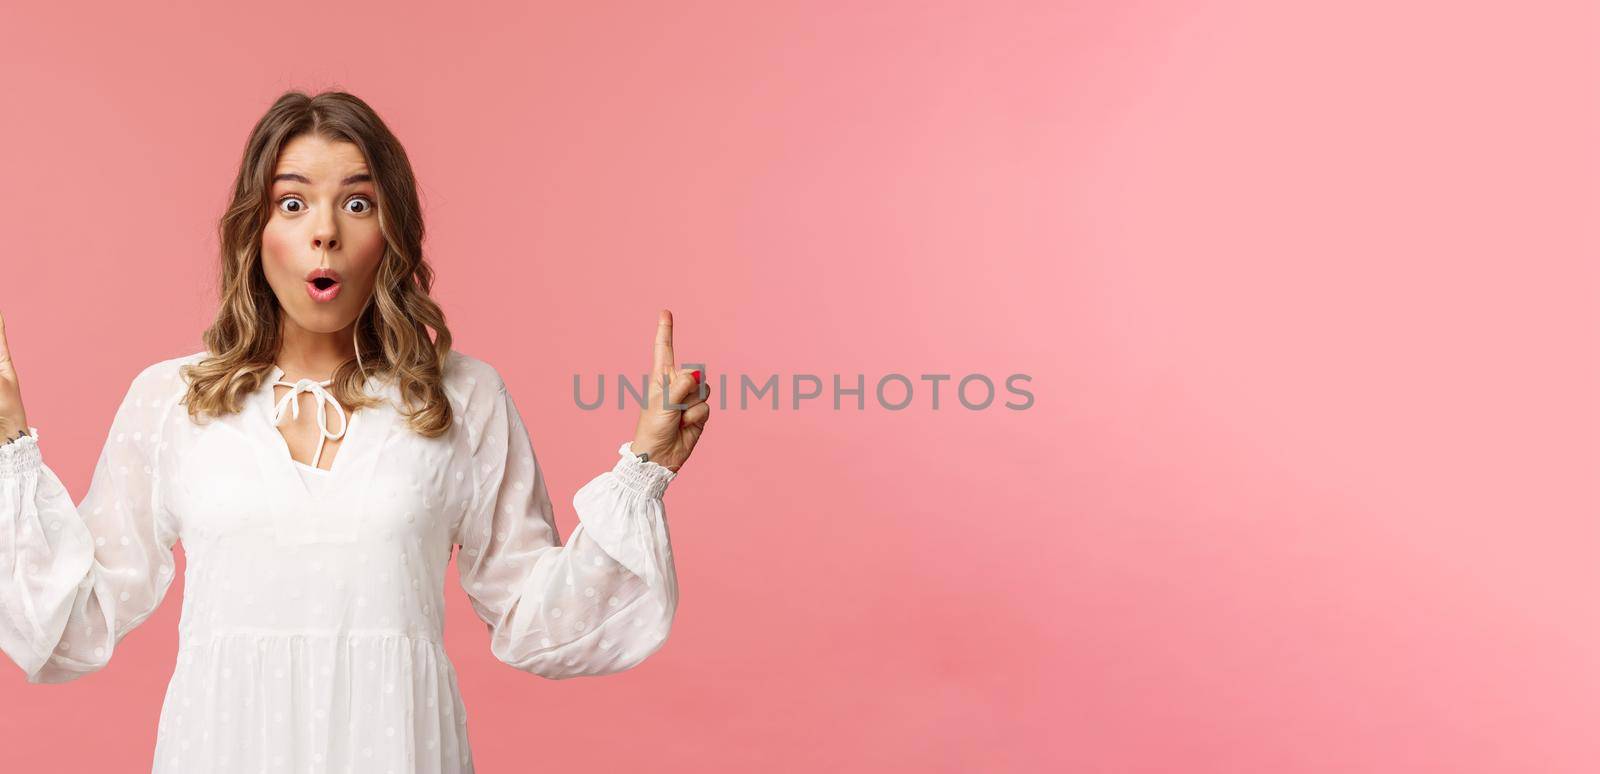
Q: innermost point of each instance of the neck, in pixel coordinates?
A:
(311, 354)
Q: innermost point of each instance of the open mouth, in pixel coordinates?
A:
(323, 285)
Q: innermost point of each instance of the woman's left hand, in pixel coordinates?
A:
(669, 434)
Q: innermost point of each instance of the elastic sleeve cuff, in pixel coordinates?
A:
(21, 455)
(647, 478)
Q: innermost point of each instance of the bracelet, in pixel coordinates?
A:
(20, 433)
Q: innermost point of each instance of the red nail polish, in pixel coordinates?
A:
(696, 376)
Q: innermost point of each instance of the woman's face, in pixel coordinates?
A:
(324, 217)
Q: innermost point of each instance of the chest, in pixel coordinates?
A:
(235, 478)
(306, 440)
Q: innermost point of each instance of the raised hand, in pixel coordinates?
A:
(670, 434)
(13, 419)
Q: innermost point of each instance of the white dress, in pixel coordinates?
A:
(310, 638)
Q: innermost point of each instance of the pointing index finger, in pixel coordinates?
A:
(663, 350)
(5, 348)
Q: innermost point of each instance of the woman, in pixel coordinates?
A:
(317, 541)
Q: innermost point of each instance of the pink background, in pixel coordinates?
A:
(1308, 297)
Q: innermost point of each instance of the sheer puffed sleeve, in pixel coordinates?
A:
(75, 580)
(599, 604)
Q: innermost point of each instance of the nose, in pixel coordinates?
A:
(325, 235)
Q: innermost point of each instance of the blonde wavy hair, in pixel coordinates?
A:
(391, 332)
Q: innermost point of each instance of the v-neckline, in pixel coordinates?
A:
(331, 509)
(350, 441)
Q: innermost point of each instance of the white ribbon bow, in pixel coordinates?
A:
(291, 400)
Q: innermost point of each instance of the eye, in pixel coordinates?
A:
(366, 205)
(284, 201)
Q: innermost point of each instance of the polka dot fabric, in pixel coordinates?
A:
(311, 632)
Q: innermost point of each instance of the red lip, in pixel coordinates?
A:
(323, 295)
(319, 272)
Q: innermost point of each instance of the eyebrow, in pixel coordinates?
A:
(298, 178)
